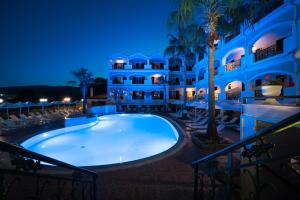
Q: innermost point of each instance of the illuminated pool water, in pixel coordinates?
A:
(113, 139)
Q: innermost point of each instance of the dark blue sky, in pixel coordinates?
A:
(41, 41)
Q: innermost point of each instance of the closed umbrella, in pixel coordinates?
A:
(29, 104)
(6, 106)
(56, 103)
(19, 105)
(43, 104)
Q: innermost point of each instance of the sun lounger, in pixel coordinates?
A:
(232, 121)
(220, 127)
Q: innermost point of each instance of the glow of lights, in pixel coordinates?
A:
(156, 75)
(120, 61)
(45, 135)
(67, 99)
(254, 48)
(297, 55)
(81, 100)
(190, 89)
(1, 100)
(43, 100)
(216, 41)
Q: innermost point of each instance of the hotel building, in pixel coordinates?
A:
(138, 82)
(251, 66)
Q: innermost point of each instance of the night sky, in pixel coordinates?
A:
(41, 41)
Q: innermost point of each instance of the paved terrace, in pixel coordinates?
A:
(169, 177)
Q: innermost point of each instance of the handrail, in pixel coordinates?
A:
(282, 125)
(273, 97)
(245, 99)
(24, 152)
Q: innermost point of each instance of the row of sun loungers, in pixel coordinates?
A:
(198, 121)
(35, 118)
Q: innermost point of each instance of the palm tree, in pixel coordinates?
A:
(162, 80)
(186, 45)
(217, 18)
(117, 94)
(85, 79)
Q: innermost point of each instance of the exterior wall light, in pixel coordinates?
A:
(1, 100)
(67, 99)
(43, 100)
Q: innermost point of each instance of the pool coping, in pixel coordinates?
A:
(182, 140)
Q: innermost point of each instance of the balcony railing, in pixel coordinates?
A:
(233, 96)
(174, 83)
(157, 66)
(273, 50)
(189, 82)
(138, 97)
(137, 81)
(241, 168)
(24, 176)
(280, 100)
(118, 82)
(157, 97)
(233, 65)
(174, 68)
(174, 97)
(118, 66)
(138, 66)
(189, 68)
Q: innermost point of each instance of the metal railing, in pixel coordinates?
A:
(270, 51)
(254, 153)
(21, 167)
(281, 100)
(233, 65)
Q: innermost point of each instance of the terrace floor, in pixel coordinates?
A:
(168, 178)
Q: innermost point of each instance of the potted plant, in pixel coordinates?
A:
(271, 88)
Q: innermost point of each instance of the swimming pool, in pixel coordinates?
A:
(111, 139)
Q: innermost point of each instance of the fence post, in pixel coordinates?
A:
(229, 175)
(196, 176)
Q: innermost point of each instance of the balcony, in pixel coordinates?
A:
(138, 66)
(233, 65)
(157, 65)
(137, 97)
(177, 82)
(138, 80)
(157, 95)
(189, 82)
(174, 68)
(118, 66)
(118, 82)
(270, 51)
(174, 97)
(233, 96)
(189, 68)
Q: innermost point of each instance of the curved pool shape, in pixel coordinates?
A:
(112, 139)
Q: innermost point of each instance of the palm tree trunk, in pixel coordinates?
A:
(165, 98)
(212, 132)
(83, 89)
(183, 114)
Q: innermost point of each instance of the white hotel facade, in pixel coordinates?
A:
(246, 64)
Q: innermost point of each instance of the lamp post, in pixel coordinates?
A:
(67, 100)
(42, 101)
(1, 100)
